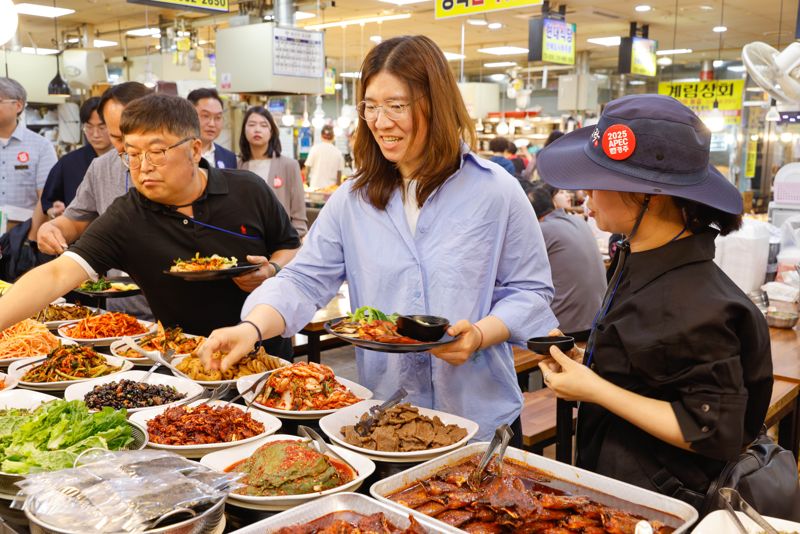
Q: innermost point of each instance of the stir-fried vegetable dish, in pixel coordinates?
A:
(203, 263)
(107, 325)
(70, 362)
(305, 386)
(373, 325)
(58, 312)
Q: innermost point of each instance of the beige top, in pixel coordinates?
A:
(282, 174)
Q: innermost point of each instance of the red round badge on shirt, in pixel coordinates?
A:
(23, 157)
(619, 142)
(277, 182)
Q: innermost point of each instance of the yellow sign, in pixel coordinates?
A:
(752, 156)
(643, 57)
(558, 42)
(217, 6)
(330, 81)
(700, 97)
(457, 8)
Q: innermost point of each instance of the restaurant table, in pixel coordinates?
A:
(785, 353)
(337, 307)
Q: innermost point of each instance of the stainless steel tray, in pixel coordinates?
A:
(599, 488)
(336, 503)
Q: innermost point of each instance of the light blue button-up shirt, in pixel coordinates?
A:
(477, 251)
(25, 162)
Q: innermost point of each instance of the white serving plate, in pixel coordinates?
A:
(271, 425)
(23, 399)
(246, 381)
(214, 383)
(104, 341)
(719, 522)
(336, 503)
(220, 461)
(331, 424)
(183, 385)
(141, 360)
(599, 488)
(15, 372)
(55, 325)
(10, 381)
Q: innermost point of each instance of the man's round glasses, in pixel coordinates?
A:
(392, 110)
(156, 158)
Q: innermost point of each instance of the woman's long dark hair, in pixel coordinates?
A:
(274, 145)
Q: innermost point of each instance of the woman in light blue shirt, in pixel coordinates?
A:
(425, 227)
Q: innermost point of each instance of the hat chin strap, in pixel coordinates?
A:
(639, 218)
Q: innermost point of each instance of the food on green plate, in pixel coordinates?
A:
(54, 434)
(205, 263)
(289, 468)
(70, 362)
(371, 324)
(403, 429)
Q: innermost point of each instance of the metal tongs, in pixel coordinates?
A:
(322, 447)
(156, 357)
(502, 436)
(363, 427)
(733, 501)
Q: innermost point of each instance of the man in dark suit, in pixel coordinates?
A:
(209, 108)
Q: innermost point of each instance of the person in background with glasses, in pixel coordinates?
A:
(177, 208)
(677, 374)
(260, 147)
(426, 226)
(209, 108)
(68, 173)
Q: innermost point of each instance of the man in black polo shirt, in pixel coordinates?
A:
(178, 208)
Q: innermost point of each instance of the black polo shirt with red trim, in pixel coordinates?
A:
(143, 238)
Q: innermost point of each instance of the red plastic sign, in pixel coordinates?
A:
(619, 142)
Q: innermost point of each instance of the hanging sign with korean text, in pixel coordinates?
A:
(215, 6)
(458, 8)
(700, 97)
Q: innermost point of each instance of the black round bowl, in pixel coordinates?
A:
(541, 345)
(422, 327)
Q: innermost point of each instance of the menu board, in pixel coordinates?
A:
(457, 8)
(700, 97)
(298, 53)
(551, 40)
(216, 6)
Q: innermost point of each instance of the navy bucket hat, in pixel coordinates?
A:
(641, 144)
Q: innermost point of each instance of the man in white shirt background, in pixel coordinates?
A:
(325, 162)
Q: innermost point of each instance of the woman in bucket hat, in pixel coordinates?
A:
(677, 373)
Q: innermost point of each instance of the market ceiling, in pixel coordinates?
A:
(746, 21)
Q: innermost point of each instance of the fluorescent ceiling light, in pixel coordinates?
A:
(673, 51)
(452, 56)
(403, 2)
(706, 8)
(38, 51)
(736, 68)
(497, 64)
(686, 80)
(497, 77)
(754, 89)
(664, 61)
(643, 8)
(719, 29)
(101, 43)
(144, 32)
(637, 82)
(605, 41)
(495, 25)
(362, 20)
(755, 103)
(303, 15)
(478, 21)
(37, 10)
(717, 63)
(73, 40)
(503, 50)
(350, 75)
(376, 39)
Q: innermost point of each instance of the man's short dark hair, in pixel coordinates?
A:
(512, 148)
(87, 108)
(160, 113)
(327, 132)
(498, 144)
(541, 196)
(205, 92)
(124, 93)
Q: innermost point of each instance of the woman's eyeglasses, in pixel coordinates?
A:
(392, 110)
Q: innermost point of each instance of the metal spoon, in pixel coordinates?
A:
(733, 501)
(154, 356)
(322, 447)
(364, 426)
(502, 436)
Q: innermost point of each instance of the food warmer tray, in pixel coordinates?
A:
(602, 489)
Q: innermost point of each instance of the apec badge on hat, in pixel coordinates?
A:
(619, 142)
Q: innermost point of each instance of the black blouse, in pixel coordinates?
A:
(681, 331)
